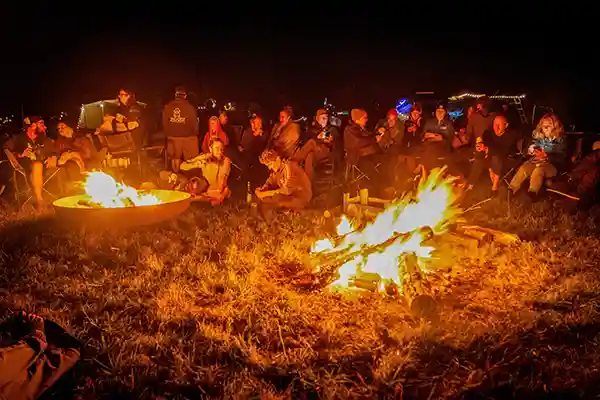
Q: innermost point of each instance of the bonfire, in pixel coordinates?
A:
(397, 241)
(105, 192)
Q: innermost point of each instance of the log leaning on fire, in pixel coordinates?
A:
(495, 235)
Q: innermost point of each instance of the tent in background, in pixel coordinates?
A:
(92, 114)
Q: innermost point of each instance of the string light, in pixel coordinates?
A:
(478, 95)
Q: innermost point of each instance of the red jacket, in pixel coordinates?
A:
(208, 140)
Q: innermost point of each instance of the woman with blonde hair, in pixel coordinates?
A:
(547, 153)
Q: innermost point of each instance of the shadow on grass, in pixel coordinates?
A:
(26, 234)
(518, 367)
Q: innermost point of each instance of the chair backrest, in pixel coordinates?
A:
(12, 159)
(118, 142)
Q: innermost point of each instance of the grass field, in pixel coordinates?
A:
(204, 307)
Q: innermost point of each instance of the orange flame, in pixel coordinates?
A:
(105, 191)
(433, 206)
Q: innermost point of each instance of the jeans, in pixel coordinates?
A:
(537, 172)
(493, 163)
(311, 153)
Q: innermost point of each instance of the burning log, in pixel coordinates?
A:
(421, 305)
(483, 234)
(348, 254)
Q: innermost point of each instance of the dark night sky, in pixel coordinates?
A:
(65, 57)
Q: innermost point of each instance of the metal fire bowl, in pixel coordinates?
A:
(172, 204)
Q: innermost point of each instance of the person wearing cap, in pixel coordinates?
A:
(481, 120)
(391, 130)
(285, 136)
(180, 123)
(34, 151)
(438, 132)
(320, 145)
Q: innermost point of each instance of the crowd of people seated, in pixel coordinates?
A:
(283, 164)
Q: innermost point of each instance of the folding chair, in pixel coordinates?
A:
(121, 145)
(324, 178)
(19, 170)
(353, 174)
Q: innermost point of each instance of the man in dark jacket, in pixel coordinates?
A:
(362, 147)
(438, 133)
(320, 145)
(128, 111)
(480, 121)
(180, 123)
(285, 135)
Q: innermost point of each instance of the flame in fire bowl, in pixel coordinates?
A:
(72, 209)
(111, 204)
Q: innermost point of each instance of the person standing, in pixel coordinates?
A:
(180, 122)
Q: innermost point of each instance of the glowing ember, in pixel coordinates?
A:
(108, 193)
(398, 230)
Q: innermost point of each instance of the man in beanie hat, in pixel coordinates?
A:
(361, 146)
(180, 123)
(34, 150)
(320, 145)
(391, 130)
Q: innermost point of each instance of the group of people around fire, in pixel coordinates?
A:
(481, 142)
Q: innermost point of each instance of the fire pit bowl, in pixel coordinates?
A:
(70, 210)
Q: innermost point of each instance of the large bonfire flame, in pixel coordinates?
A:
(399, 230)
(104, 191)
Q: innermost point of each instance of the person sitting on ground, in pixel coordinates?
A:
(253, 143)
(547, 154)
(391, 130)
(214, 132)
(287, 186)
(285, 136)
(436, 141)
(495, 147)
(208, 174)
(319, 146)
(34, 151)
(34, 354)
(180, 123)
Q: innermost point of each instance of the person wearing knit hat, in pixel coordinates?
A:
(391, 130)
(361, 146)
(320, 145)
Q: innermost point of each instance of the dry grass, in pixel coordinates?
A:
(203, 307)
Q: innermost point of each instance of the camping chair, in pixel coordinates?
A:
(119, 146)
(324, 178)
(27, 191)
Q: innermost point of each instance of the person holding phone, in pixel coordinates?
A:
(546, 155)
